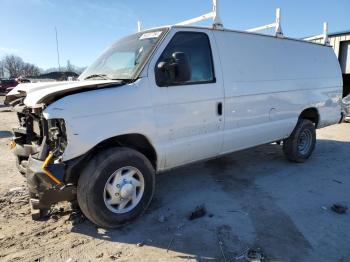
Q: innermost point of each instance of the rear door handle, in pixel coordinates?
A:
(219, 108)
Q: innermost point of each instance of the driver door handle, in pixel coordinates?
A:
(219, 108)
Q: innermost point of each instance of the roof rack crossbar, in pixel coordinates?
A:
(324, 35)
(214, 14)
(276, 25)
(197, 19)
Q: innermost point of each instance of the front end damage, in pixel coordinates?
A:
(39, 144)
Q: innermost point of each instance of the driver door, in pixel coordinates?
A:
(189, 115)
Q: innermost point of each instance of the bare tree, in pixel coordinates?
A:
(13, 65)
(2, 70)
(30, 70)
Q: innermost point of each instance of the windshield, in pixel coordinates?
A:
(123, 60)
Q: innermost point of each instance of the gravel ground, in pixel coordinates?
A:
(254, 199)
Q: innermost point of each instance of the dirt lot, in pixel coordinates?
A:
(254, 199)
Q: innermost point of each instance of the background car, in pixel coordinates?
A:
(19, 81)
(6, 84)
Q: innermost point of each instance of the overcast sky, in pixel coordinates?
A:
(87, 27)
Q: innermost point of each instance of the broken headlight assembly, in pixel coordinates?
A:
(346, 100)
(57, 138)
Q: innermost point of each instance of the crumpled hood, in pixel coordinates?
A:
(47, 92)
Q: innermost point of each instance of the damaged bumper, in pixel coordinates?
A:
(45, 183)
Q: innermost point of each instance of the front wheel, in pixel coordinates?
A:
(301, 143)
(116, 186)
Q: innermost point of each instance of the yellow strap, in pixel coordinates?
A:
(46, 171)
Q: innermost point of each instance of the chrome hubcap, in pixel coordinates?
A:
(124, 190)
(304, 142)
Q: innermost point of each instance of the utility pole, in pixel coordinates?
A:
(58, 53)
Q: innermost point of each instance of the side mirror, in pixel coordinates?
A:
(175, 71)
(183, 71)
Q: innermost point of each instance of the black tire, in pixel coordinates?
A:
(92, 181)
(292, 146)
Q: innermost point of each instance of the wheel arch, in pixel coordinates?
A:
(134, 141)
(311, 114)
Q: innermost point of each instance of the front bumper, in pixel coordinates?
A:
(48, 182)
(45, 179)
(45, 183)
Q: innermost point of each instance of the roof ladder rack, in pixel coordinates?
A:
(139, 26)
(214, 14)
(276, 25)
(324, 35)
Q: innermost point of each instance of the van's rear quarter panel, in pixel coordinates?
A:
(269, 81)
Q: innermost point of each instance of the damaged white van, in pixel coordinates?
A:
(163, 98)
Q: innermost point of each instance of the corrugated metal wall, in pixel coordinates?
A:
(344, 56)
(335, 41)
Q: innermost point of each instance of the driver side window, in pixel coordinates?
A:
(196, 47)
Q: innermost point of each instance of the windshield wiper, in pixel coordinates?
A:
(97, 75)
(123, 80)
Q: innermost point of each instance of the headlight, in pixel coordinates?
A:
(57, 138)
(36, 127)
(346, 100)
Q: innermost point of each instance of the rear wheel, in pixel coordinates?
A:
(301, 143)
(116, 187)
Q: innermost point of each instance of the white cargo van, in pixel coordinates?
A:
(163, 98)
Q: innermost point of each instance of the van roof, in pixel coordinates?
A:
(236, 31)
